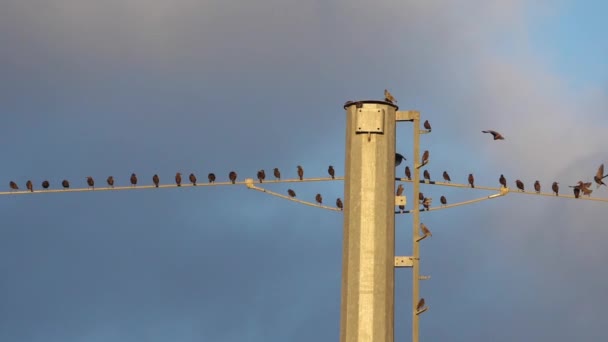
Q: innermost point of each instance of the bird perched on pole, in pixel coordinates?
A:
(446, 177)
(537, 187)
(425, 157)
(232, 176)
(29, 185)
(398, 159)
(331, 171)
(519, 184)
(261, 176)
(503, 181)
(471, 180)
(178, 179)
(388, 97)
(555, 188)
(408, 173)
(496, 135)
(599, 176)
(399, 190)
(192, 179)
(91, 182)
(300, 172)
(155, 180)
(110, 181)
(420, 305)
(277, 173)
(427, 125)
(133, 179)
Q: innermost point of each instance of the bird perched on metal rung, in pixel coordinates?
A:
(291, 193)
(425, 231)
(408, 173)
(300, 172)
(178, 179)
(339, 204)
(555, 188)
(496, 135)
(519, 184)
(211, 177)
(91, 182)
(599, 176)
(471, 180)
(319, 198)
(420, 196)
(110, 181)
(427, 125)
(261, 176)
(398, 159)
(503, 181)
(537, 187)
(446, 177)
(277, 173)
(155, 180)
(29, 185)
(331, 172)
(420, 305)
(388, 97)
(45, 184)
(425, 157)
(232, 176)
(65, 184)
(426, 174)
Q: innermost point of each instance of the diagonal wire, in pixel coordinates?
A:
(253, 187)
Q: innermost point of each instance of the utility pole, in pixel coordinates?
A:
(368, 256)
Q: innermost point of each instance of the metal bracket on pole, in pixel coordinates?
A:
(249, 183)
(400, 200)
(404, 261)
(407, 115)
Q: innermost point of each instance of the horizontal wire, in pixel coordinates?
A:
(253, 187)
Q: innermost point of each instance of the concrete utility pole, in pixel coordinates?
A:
(368, 258)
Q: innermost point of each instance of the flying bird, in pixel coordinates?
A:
(443, 200)
(261, 176)
(45, 184)
(519, 184)
(65, 184)
(496, 135)
(398, 159)
(471, 180)
(29, 186)
(339, 204)
(277, 173)
(399, 190)
(388, 97)
(425, 231)
(408, 173)
(331, 172)
(537, 187)
(426, 175)
(420, 305)
(446, 177)
(291, 193)
(503, 181)
(211, 177)
(555, 188)
(110, 181)
(300, 172)
(425, 157)
(91, 182)
(178, 179)
(133, 179)
(13, 185)
(319, 199)
(155, 180)
(427, 125)
(599, 176)
(232, 176)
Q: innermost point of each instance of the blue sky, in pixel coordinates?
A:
(96, 89)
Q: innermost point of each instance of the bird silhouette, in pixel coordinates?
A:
(471, 180)
(133, 179)
(420, 305)
(519, 184)
(408, 173)
(537, 187)
(388, 97)
(331, 172)
(555, 188)
(398, 159)
(427, 125)
(277, 173)
(155, 180)
(232, 176)
(443, 200)
(339, 204)
(178, 179)
(65, 184)
(425, 231)
(13, 185)
(300, 172)
(291, 193)
(45, 184)
(261, 176)
(425, 157)
(192, 179)
(91, 182)
(599, 176)
(420, 196)
(110, 181)
(496, 135)
(503, 181)
(399, 190)
(426, 202)
(426, 175)
(319, 199)
(446, 177)
(29, 186)
(211, 177)
(577, 192)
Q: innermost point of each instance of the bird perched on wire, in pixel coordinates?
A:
(110, 181)
(443, 200)
(420, 196)
(599, 176)
(426, 175)
(398, 159)
(178, 179)
(519, 184)
(192, 179)
(577, 192)
(446, 177)
(300, 172)
(319, 198)
(555, 188)
(277, 173)
(425, 231)
(155, 180)
(427, 125)
(408, 173)
(537, 187)
(388, 97)
(496, 135)
(65, 184)
(426, 202)
(503, 181)
(133, 179)
(425, 157)
(211, 177)
(399, 190)
(29, 185)
(45, 184)
(91, 182)
(339, 204)
(291, 193)
(13, 185)
(261, 176)
(471, 180)
(232, 176)
(331, 171)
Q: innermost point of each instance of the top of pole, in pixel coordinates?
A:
(350, 103)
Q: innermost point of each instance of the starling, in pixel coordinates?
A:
(398, 159)
(178, 179)
(155, 180)
(192, 179)
(425, 157)
(427, 175)
(339, 204)
(426, 202)
(443, 200)
(402, 208)
(599, 176)
(427, 125)
(277, 173)
(45, 184)
(496, 135)
(555, 188)
(300, 172)
(261, 176)
(408, 173)
(29, 186)
(13, 185)
(537, 187)
(388, 97)
(291, 193)
(110, 181)
(577, 192)
(519, 184)
(503, 181)
(420, 305)
(211, 177)
(133, 179)
(331, 172)
(420, 196)
(319, 199)
(446, 177)
(399, 190)
(471, 180)
(65, 184)
(232, 176)
(91, 182)
(425, 231)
